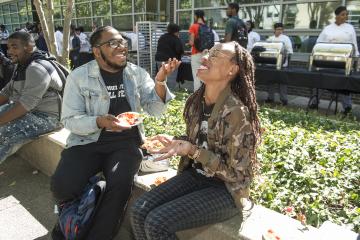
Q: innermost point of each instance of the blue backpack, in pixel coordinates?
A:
(75, 216)
(205, 38)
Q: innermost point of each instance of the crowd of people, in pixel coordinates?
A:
(218, 149)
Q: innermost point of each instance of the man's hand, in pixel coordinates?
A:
(167, 68)
(111, 123)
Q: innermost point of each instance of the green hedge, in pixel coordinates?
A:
(309, 163)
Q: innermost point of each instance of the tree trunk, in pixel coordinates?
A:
(50, 21)
(41, 14)
(66, 32)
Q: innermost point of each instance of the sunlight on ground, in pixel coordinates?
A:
(16, 223)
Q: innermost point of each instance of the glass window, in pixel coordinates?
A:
(102, 21)
(57, 13)
(139, 6)
(83, 10)
(86, 23)
(140, 18)
(354, 13)
(13, 7)
(264, 17)
(184, 19)
(123, 23)
(22, 6)
(211, 3)
(101, 8)
(309, 15)
(216, 18)
(14, 18)
(184, 4)
(23, 17)
(121, 6)
(57, 2)
(6, 8)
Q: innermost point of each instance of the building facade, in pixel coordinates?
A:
(303, 19)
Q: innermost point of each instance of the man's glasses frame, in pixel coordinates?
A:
(114, 43)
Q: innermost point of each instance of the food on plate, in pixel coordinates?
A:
(129, 118)
(270, 235)
(160, 180)
(152, 145)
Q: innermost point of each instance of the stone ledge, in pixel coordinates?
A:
(44, 154)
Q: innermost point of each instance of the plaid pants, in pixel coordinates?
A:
(22, 130)
(185, 201)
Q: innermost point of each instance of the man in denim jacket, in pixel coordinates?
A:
(29, 104)
(94, 94)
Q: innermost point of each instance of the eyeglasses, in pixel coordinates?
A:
(215, 53)
(115, 43)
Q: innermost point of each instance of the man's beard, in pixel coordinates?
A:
(112, 65)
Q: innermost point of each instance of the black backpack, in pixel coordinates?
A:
(205, 38)
(76, 216)
(241, 35)
(61, 70)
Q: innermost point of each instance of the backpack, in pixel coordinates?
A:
(241, 34)
(205, 38)
(61, 70)
(75, 217)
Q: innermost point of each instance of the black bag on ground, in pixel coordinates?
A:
(75, 217)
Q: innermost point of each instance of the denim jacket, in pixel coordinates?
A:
(86, 98)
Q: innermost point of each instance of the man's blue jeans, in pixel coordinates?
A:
(20, 131)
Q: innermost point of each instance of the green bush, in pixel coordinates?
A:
(308, 162)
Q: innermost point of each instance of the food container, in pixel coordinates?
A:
(270, 53)
(332, 55)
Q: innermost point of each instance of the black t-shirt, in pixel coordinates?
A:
(201, 140)
(118, 104)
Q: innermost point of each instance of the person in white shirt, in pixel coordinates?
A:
(253, 37)
(4, 34)
(339, 32)
(59, 40)
(280, 37)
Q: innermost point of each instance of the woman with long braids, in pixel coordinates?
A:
(218, 154)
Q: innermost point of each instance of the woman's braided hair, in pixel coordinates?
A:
(243, 87)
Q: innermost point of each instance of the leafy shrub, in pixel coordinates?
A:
(309, 163)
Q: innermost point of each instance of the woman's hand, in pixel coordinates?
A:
(175, 147)
(167, 68)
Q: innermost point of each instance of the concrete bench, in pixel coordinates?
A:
(44, 154)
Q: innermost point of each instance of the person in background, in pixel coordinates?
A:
(75, 48)
(59, 40)
(6, 70)
(95, 93)
(40, 42)
(233, 24)
(84, 53)
(280, 37)
(169, 46)
(4, 34)
(339, 32)
(253, 37)
(218, 152)
(196, 55)
(29, 103)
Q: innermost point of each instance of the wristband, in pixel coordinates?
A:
(195, 155)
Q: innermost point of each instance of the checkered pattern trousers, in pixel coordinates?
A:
(185, 201)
